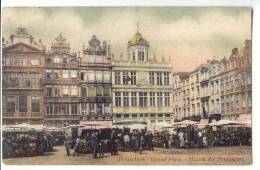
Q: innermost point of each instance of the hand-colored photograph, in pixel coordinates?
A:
(132, 85)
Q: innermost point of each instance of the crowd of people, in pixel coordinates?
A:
(97, 143)
(22, 144)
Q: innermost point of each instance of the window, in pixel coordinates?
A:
(34, 80)
(22, 103)
(57, 59)
(90, 58)
(125, 78)
(125, 99)
(118, 99)
(10, 104)
(84, 91)
(140, 55)
(133, 77)
(91, 76)
(35, 104)
(99, 108)
(48, 90)
(143, 99)
(166, 79)
(159, 99)
(74, 109)
(34, 62)
(152, 99)
(73, 73)
(159, 78)
(106, 76)
(57, 92)
(65, 109)
(74, 90)
(48, 74)
(56, 74)
(57, 109)
(91, 91)
(167, 99)
(99, 58)
(92, 107)
(49, 109)
(65, 90)
(65, 60)
(133, 55)
(82, 76)
(21, 79)
(117, 77)
(133, 99)
(99, 76)
(151, 77)
(99, 91)
(106, 91)
(134, 115)
(84, 109)
(65, 74)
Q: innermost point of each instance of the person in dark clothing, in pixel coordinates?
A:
(141, 144)
(166, 139)
(113, 140)
(94, 144)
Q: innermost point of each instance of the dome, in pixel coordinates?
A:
(138, 39)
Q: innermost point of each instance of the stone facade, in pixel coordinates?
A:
(224, 88)
(23, 65)
(142, 86)
(61, 85)
(95, 81)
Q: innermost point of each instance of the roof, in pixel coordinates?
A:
(138, 39)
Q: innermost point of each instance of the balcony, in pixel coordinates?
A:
(23, 84)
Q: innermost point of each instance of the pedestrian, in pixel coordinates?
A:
(126, 141)
(200, 142)
(141, 144)
(113, 141)
(67, 145)
(166, 139)
(94, 144)
(76, 147)
(181, 139)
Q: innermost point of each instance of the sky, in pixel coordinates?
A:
(187, 35)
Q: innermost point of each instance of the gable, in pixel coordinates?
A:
(21, 47)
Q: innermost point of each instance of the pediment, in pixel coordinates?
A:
(21, 47)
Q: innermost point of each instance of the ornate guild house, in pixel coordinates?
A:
(61, 85)
(142, 87)
(23, 65)
(95, 81)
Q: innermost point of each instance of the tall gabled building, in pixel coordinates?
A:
(95, 81)
(22, 92)
(61, 85)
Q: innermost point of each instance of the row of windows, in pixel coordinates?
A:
(95, 58)
(159, 80)
(129, 77)
(61, 90)
(22, 104)
(20, 61)
(143, 99)
(95, 76)
(58, 74)
(140, 55)
(65, 109)
(59, 59)
(151, 115)
(21, 79)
